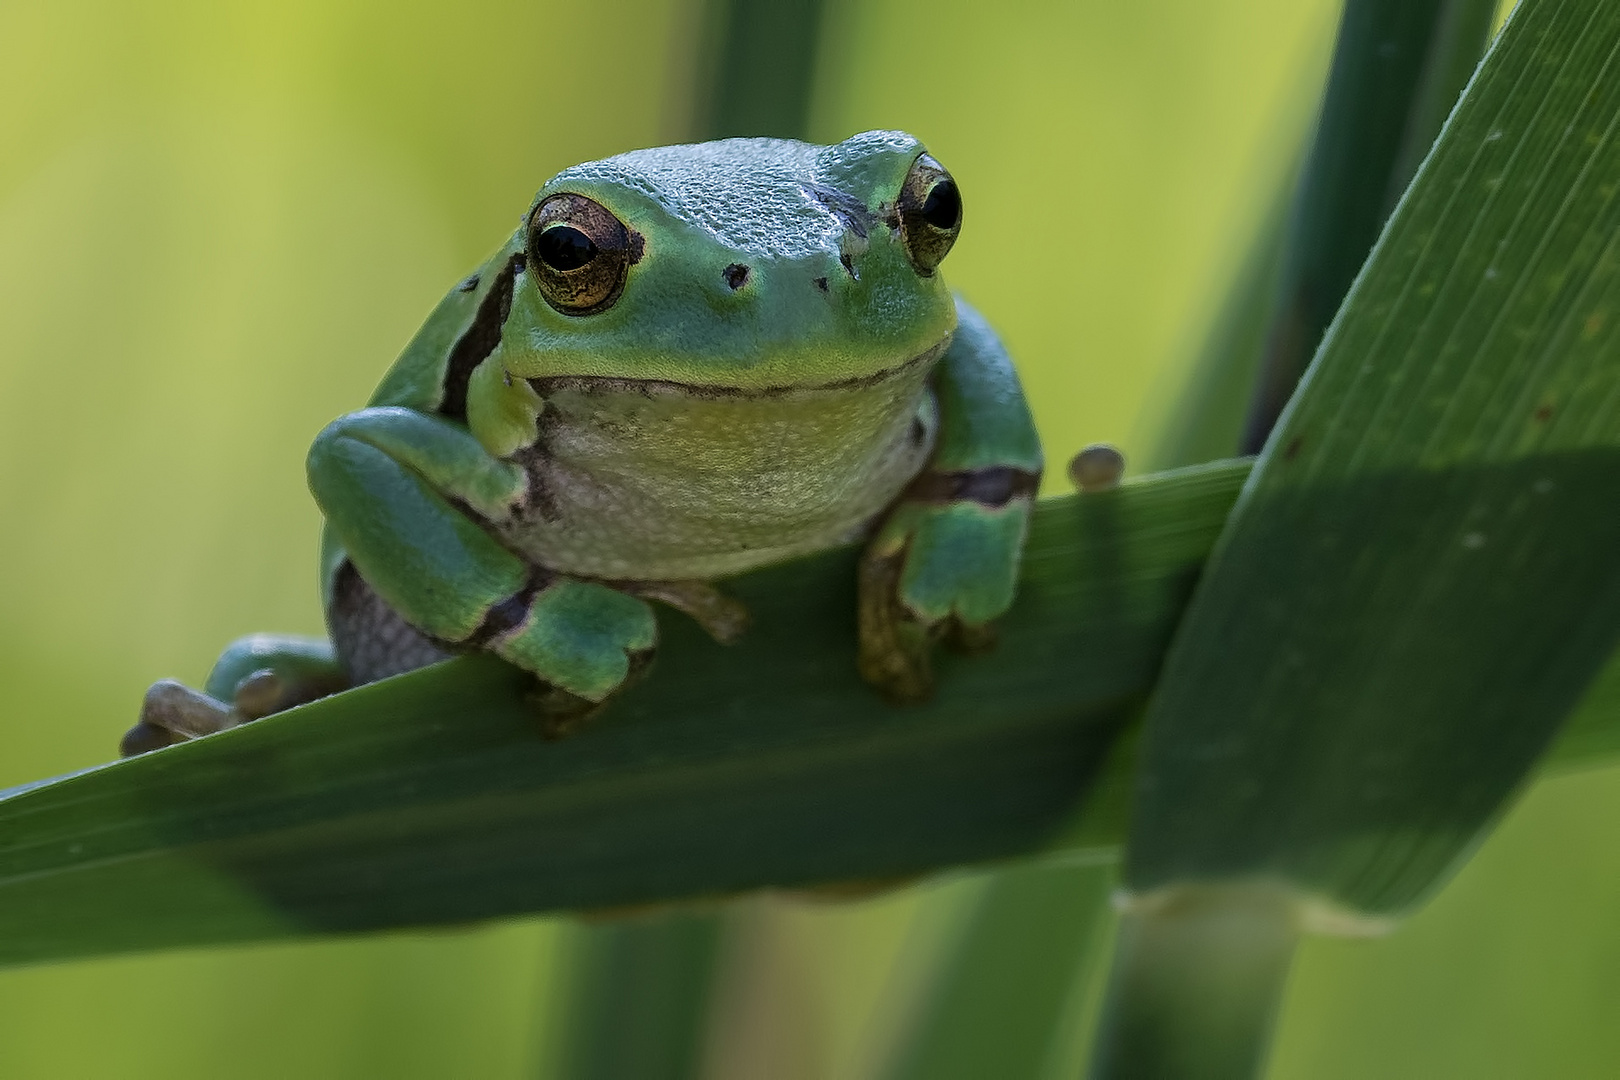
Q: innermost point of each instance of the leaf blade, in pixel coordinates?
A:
(1442, 477)
(430, 799)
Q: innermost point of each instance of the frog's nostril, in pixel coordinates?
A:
(736, 275)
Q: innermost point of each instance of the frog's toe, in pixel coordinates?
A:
(894, 645)
(260, 694)
(1097, 467)
(144, 737)
(172, 712)
(266, 673)
(558, 711)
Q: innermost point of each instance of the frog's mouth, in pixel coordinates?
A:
(549, 385)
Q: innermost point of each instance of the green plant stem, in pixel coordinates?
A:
(1198, 976)
(754, 68)
(1398, 68)
(996, 1006)
(1211, 402)
(641, 988)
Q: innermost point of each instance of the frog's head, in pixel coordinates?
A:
(744, 264)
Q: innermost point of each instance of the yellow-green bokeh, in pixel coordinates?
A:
(218, 223)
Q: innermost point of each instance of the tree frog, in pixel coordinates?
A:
(686, 363)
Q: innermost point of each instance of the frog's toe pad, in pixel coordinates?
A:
(1098, 467)
(144, 737)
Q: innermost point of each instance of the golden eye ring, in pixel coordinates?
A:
(930, 211)
(578, 253)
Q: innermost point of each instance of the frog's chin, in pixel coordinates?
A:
(546, 385)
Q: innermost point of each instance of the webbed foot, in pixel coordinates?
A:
(257, 675)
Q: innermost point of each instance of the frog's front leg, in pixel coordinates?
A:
(945, 560)
(412, 498)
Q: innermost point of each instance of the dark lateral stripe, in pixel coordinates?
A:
(505, 616)
(478, 342)
(994, 486)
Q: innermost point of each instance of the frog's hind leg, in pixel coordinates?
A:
(266, 673)
(373, 640)
(254, 677)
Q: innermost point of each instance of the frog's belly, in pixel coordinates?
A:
(652, 481)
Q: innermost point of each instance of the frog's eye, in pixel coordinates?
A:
(930, 212)
(578, 254)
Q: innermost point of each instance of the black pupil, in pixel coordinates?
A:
(943, 207)
(564, 247)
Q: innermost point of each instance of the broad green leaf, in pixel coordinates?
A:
(1421, 578)
(430, 798)
(1423, 575)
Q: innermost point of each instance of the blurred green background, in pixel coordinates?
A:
(219, 223)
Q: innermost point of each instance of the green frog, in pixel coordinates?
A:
(686, 363)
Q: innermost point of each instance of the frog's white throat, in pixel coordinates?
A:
(648, 480)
